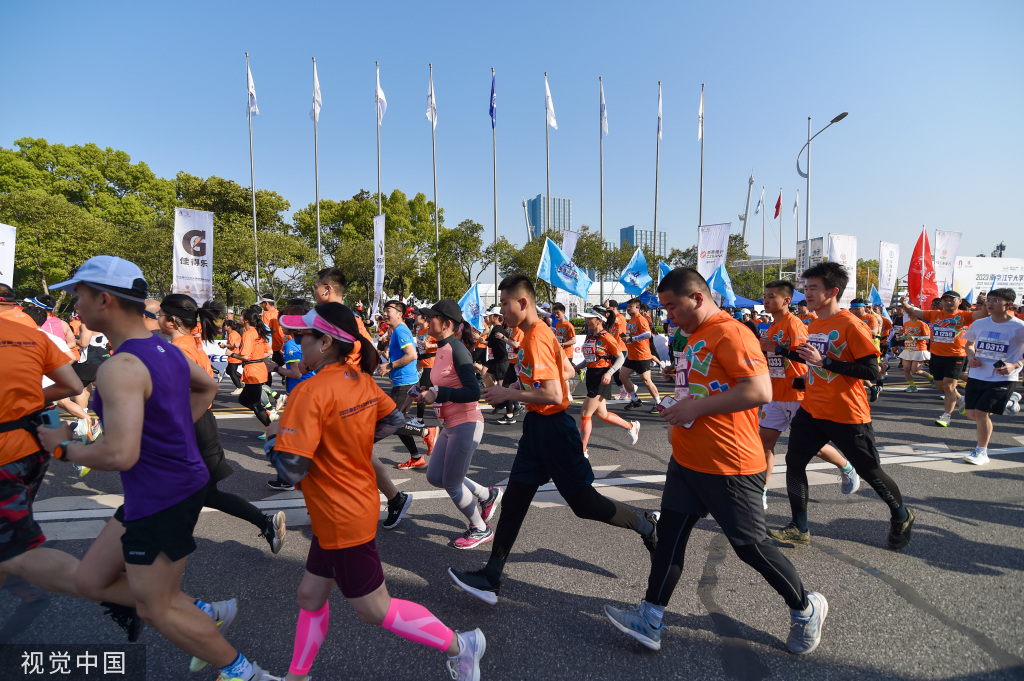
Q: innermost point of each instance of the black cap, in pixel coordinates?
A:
(446, 308)
(952, 294)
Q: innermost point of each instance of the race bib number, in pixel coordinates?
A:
(490, 354)
(819, 342)
(682, 386)
(992, 349)
(943, 334)
(421, 345)
(776, 366)
(590, 351)
(439, 412)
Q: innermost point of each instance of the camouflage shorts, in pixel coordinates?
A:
(19, 482)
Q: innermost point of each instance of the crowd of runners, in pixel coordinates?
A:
(133, 377)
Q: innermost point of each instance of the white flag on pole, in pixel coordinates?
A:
(842, 248)
(382, 102)
(796, 204)
(712, 247)
(253, 109)
(888, 269)
(659, 110)
(431, 104)
(700, 118)
(549, 106)
(314, 113)
(604, 112)
(760, 202)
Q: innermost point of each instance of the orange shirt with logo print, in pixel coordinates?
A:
(26, 355)
(717, 353)
(565, 332)
(540, 359)
(948, 331)
(517, 335)
(620, 328)
(640, 350)
(916, 334)
(831, 396)
(599, 350)
(254, 347)
(808, 318)
(270, 318)
(331, 418)
(789, 332)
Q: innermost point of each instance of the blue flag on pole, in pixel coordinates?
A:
(560, 272)
(472, 308)
(494, 106)
(635, 276)
(971, 296)
(663, 269)
(876, 299)
(720, 283)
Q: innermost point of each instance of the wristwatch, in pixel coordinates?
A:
(60, 451)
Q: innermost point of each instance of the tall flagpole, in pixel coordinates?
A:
(437, 228)
(764, 209)
(252, 177)
(796, 212)
(380, 208)
(316, 167)
(600, 135)
(700, 218)
(657, 167)
(547, 156)
(780, 232)
(494, 156)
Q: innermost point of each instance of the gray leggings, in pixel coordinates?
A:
(449, 464)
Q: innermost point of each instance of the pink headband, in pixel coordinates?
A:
(311, 320)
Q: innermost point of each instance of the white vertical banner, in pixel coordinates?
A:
(817, 250)
(378, 262)
(888, 270)
(712, 245)
(569, 239)
(193, 254)
(801, 258)
(946, 246)
(7, 238)
(842, 248)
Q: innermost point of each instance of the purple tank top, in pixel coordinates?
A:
(169, 468)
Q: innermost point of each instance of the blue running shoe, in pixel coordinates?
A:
(632, 622)
(805, 632)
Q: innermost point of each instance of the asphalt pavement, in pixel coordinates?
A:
(949, 606)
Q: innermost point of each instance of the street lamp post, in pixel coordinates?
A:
(807, 176)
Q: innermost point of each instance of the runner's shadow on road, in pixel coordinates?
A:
(974, 512)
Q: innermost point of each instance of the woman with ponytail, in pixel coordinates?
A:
(323, 446)
(177, 318)
(254, 370)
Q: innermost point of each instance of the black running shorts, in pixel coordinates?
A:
(594, 387)
(734, 501)
(988, 396)
(551, 449)
(168, 531)
(946, 367)
(640, 366)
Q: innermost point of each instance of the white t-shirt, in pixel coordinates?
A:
(61, 345)
(994, 341)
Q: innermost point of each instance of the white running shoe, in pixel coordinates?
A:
(634, 432)
(224, 614)
(943, 421)
(961, 404)
(415, 423)
(236, 391)
(850, 482)
(466, 666)
(622, 395)
(272, 413)
(978, 458)
(764, 498)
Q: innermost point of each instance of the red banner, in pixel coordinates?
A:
(921, 285)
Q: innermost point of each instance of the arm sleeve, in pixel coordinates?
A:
(388, 425)
(617, 363)
(791, 355)
(463, 363)
(865, 368)
(642, 336)
(291, 468)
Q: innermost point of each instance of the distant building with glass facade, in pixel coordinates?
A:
(561, 214)
(634, 236)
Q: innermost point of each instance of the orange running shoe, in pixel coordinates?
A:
(429, 439)
(413, 462)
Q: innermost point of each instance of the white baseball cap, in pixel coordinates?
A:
(107, 272)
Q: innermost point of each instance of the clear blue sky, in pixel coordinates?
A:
(935, 93)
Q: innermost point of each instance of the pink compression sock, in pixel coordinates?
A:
(585, 427)
(309, 634)
(615, 420)
(414, 622)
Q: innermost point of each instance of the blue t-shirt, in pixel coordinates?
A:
(407, 374)
(293, 353)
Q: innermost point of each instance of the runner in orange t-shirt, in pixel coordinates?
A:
(840, 355)
(324, 446)
(426, 351)
(861, 309)
(786, 332)
(602, 360)
(915, 334)
(949, 354)
(565, 332)
(178, 313)
(803, 314)
(717, 463)
(232, 344)
(254, 370)
(550, 448)
(638, 356)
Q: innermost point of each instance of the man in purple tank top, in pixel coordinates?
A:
(153, 396)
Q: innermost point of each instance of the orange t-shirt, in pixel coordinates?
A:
(808, 318)
(948, 331)
(270, 318)
(26, 355)
(481, 342)
(331, 419)
(540, 359)
(234, 345)
(886, 327)
(599, 350)
(425, 345)
(253, 347)
(640, 350)
(513, 353)
(187, 344)
(718, 352)
(16, 315)
(916, 334)
(789, 332)
(75, 324)
(830, 396)
(620, 328)
(565, 332)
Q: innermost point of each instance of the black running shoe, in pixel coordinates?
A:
(651, 540)
(873, 393)
(280, 485)
(899, 533)
(397, 507)
(477, 584)
(126, 618)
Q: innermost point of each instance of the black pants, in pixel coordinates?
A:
(511, 376)
(807, 435)
(252, 398)
(424, 383)
(232, 372)
(398, 393)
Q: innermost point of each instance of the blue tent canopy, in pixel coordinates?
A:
(746, 302)
(797, 297)
(648, 299)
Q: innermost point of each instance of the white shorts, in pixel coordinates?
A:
(778, 415)
(916, 355)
